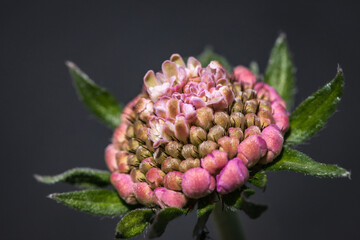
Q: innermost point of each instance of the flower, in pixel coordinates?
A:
(192, 131)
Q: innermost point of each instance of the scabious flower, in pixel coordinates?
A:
(192, 131)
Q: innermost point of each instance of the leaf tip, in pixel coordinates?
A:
(70, 64)
(38, 177)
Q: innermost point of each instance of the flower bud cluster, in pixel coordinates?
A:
(192, 131)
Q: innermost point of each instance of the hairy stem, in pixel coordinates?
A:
(227, 224)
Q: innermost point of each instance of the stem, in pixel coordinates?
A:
(227, 224)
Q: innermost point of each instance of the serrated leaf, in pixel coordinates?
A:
(162, 218)
(205, 207)
(240, 200)
(83, 177)
(312, 114)
(209, 55)
(280, 70)
(258, 179)
(254, 68)
(134, 223)
(293, 160)
(98, 100)
(100, 202)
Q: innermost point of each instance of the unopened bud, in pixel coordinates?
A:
(141, 131)
(251, 106)
(173, 148)
(172, 180)
(215, 133)
(236, 87)
(237, 119)
(264, 106)
(142, 153)
(160, 156)
(182, 129)
(250, 93)
(232, 176)
(244, 76)
(229, 145)
(122, 162)
(144, 194)
(238, 105)
(222, 119)
(136, 175)
(189, 151)
(130, 132)
(207, 147)
(119, 134)
(168, 198)
(197, 135)
(236, 132)
(251, 150)
(170, 164)
(188, 164)
(197, 183)
(110, 157)
(252, 130)
(265, 118)
(133, 145)
(133, 161)
(214, 161)
(146, 164)
(274, 141)
(124, 185)
(251, 119)
(204, 118)
(154, 177)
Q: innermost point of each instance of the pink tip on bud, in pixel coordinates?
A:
(124, 185)
(197, 183)
(172, 180)
(214, 161)
(110, 157)
(244, 76)
(169, 198)
(144, 194)
(154, 177)
(119, 134)
(274, 141)
(182, 129)
(229, 145)
(280, 116)
(251, 150)
(232, 176)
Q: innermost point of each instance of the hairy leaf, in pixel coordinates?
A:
(312, 114)
(280, 70)
(100, 202)
(162, 218)
(134, 223)
(258, 179)
(293, 160)
(208, 55)
(83, 177)
(98, 100)
(254, 68)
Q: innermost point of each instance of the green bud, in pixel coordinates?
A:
(222, 119)
(133, 161)
(142, 153)
(251, 119)
(160, 156)
(237, 120)
(251, 106)
(173, 149)
(189, 151)
(238, 105)
(188, 164)
(197, 135)
(207, 147)
(137, 176)
(170, 164)
(215, 133)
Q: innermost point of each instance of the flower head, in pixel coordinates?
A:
(192, 131)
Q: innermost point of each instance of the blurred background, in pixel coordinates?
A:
(45, 129)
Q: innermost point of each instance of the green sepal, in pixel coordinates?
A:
(293, 160)
(313, 113)
(99, 202)
(258, 179)
(209, 55)
(254, 68)
(280, 71)
(98, 100)
(82, 177)
(161, 220)
(134, 223)
(205, 207)
(239, 199)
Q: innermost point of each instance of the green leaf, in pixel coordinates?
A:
(205, 207)
(133, 223)
(162, 218)
(98, 100)
(258, 179)
(280, 70)
(208, 55)
(312, 114)
(293, 160)
(254, 68)
(83, 177)
(100, 202)
(240, 200)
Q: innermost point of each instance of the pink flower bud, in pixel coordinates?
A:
(229, 145)
(122, 162)
(214, 161)
(274, 141)
(124, 185)
(251, 150)
(110, 157)
(172, 180)
(244, 76)
(119, 134)
(197, 183)
(252, 130)
(236, 132)
(169, 198)
(154, 177)
(147, 164)
(232, 176)
(280, 116)
(144, 194)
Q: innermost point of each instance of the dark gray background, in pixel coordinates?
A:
(46, 130)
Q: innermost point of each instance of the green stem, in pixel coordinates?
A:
(227, 224)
